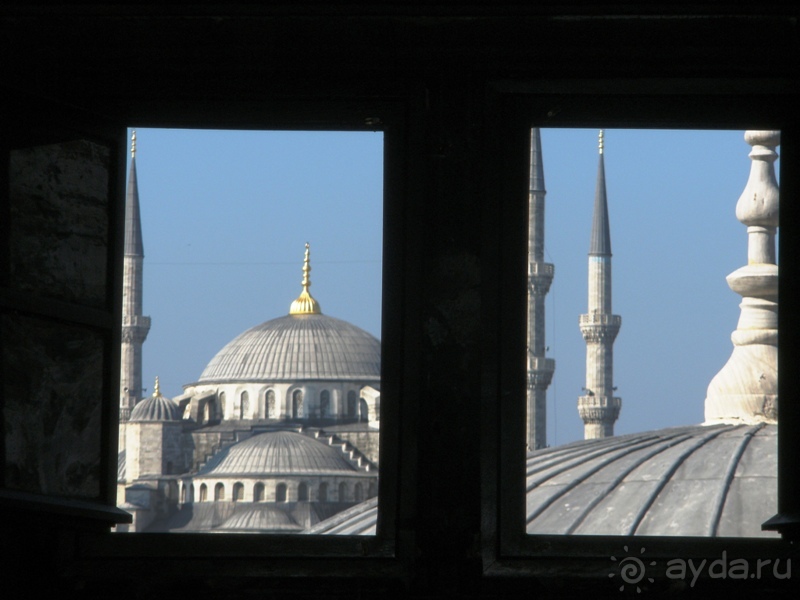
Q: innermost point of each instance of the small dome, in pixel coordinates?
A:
(156, 408)
(702, 480)
(260, 518)
(277, 453)
(297, 347)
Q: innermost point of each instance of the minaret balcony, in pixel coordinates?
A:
(538, 269)
(540, 371)
(542, 364)
(599, 408)
(601, 319)
(136, 321)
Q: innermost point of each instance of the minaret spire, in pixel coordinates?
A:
(746, 388)
(598, 407)
(134, 326)
(540, 276)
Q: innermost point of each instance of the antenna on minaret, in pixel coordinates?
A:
(598, 407)
(540, 276)
(133, 144)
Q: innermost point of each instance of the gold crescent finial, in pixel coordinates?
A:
(306, 283)
(133, 144)
(305, 303)
(156, 389)
(600, 142)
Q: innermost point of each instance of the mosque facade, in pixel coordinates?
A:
(714, 479)
(279, 432)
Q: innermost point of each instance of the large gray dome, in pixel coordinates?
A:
(278, 453)
(702, 480)
(297, 347)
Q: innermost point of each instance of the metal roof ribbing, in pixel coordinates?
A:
(297, 347)
(699, 480)
(278, 452)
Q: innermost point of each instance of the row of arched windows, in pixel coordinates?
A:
(354, 406)
(323, 492)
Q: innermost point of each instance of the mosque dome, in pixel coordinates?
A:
(297, 347)
(701, 480)
(260, 518)
(278, 453)
(304, 345)
(156, 408)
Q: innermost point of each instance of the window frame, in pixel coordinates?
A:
(513, 108)
(364, 556)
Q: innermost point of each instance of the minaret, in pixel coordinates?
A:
(540, 276)
(598, 407)
(746, 388)
(134, 325)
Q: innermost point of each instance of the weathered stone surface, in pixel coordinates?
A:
(52, 407)
(59, 200)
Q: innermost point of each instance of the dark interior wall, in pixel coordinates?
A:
(451, 87)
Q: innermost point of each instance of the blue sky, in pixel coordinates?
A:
(226, 215)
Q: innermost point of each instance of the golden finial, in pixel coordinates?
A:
(600, 142)
(133, 144)
(156, 389)
(305, 303)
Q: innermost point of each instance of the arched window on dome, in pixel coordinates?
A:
(258, 492)
(203, 493)
(358, 493)
(297, 404)
(324, 403)
(280, 492)
(351, 404)
(363, 411)
(372, 491)
(238, 491)
(302, 493)
(219, 492)
(343, 492)
(322, 494)
(244, 406)
(191, 492)
(221, 407)
(270, 402)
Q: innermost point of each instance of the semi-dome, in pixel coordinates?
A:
(156, 408)
(701, 480)
(297, 347)
(278, 453)
(260, 518)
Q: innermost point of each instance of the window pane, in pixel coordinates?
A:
(644, 418)
(251, 331)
